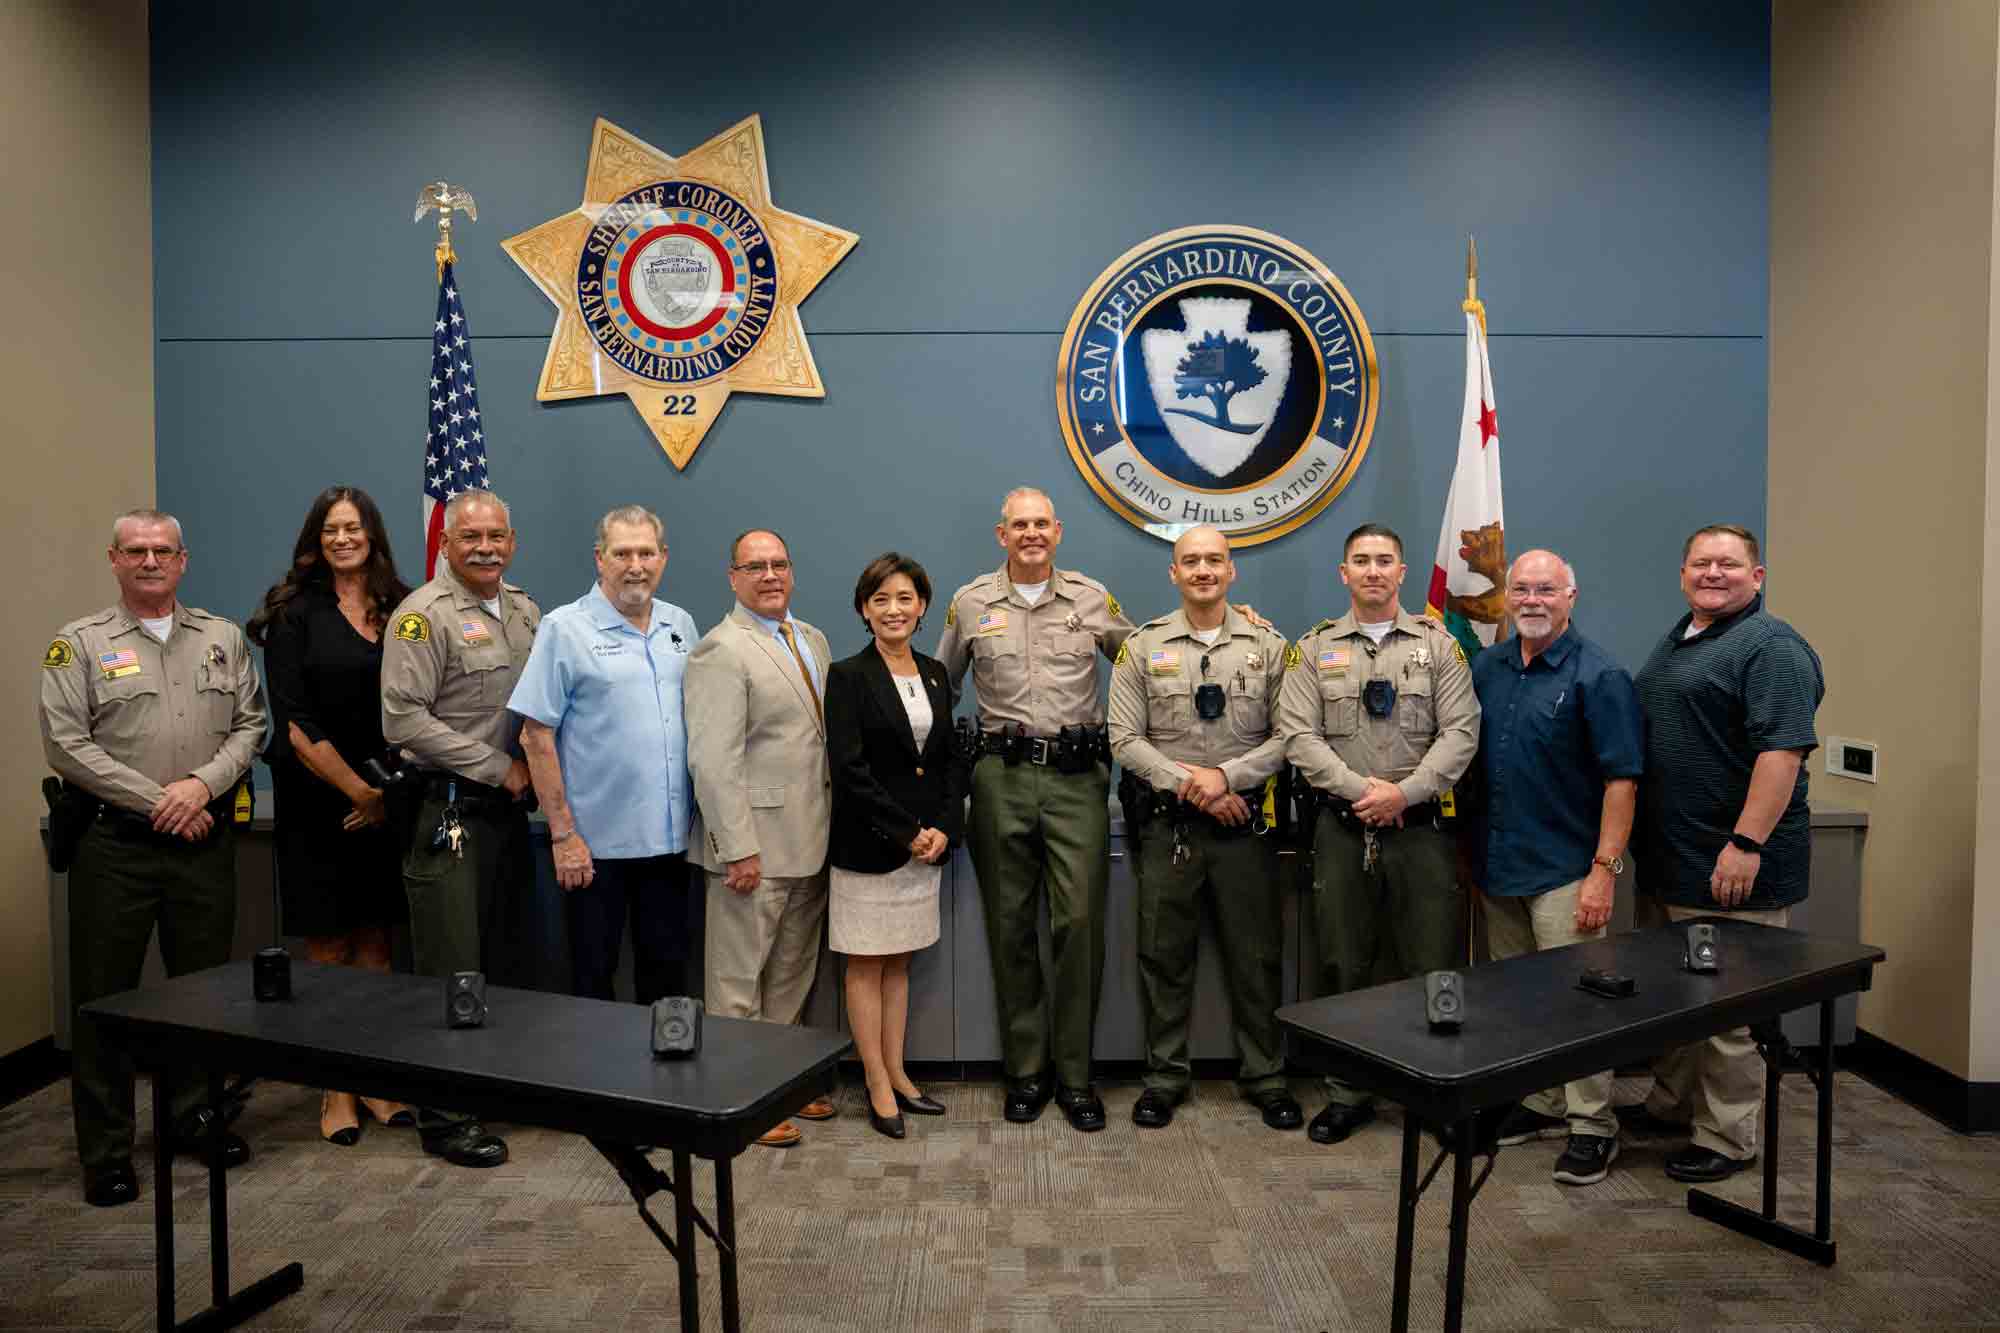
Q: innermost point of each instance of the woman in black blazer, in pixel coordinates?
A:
(898, 806)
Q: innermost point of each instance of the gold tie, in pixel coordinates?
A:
(785, 628)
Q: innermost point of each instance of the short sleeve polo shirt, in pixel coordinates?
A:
(1713, 703)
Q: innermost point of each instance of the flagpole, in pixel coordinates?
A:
(1473, 305)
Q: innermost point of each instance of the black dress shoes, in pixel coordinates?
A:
(1026, 1097)
(1700, 1164)
(1083, 1106)
(1336, 1122)
(109, 1186)
(464, 1143)
(191, 1139)
(890, 1126)
(919, 1104)
(1154, 1109)
(1281, 1109)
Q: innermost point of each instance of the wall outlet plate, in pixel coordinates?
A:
(1851, 759)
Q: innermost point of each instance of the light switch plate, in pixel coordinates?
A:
(1851, 759)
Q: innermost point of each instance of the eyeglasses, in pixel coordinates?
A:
(759, 568)
(1542, 590)
(139, 553)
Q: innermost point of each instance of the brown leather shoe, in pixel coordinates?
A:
(819, 1108)
(784, 1136)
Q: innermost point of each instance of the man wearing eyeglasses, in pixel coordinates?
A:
(1562, 746)
(454, 650)
(153, 709)
(1192, 698)
(757, 756)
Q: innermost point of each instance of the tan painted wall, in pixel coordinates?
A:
(1985, 933)
(1882, 148)
(76, 391)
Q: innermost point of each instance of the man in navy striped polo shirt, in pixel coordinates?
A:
(1729, 696)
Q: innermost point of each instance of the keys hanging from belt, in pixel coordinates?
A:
(450, 830)
(1371, 848)
(1181, 853)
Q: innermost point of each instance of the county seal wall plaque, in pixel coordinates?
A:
(1217, 375)
(677, 282)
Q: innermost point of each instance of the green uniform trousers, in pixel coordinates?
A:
(1240, 873)
(1034, 829)
(125, 879)
(461, 906)
(1398, 919)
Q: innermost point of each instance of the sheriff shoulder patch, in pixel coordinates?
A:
(60, 654)
(1124, 652)
(1112, 602)
(413, 628)
(1459, 649)
(951, 614)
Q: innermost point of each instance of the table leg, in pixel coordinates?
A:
(1773, 1081)
(163, 1205)
(1823, 1169)
(218, 1200)
(1406, 1224)
(1461, 1213)
(725, 1225)
(684, 1239)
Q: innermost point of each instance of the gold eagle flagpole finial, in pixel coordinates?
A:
(1473, 305)
(445, 197)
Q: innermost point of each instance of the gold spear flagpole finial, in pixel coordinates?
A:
(445, 197)
(1473, 305)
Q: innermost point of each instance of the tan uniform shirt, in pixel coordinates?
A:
(1155, 731)
(448, 668)
(1423, 746)
(124, 714)
(1033, 665)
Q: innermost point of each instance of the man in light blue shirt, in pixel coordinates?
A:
(606, 741)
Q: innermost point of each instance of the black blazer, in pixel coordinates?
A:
(884, 791)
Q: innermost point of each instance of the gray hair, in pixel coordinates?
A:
(147, 516)
(457, 504)
(1569, 570)
(737, 545)
(630, 514)
(1018, 493)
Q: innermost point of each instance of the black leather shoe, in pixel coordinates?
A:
(1026, 1097)
(919, 1104)
(1336, 1122)
(1281, 1109)
(109, 1186)
(1154, 1109)
(191, 1139)
(1699, 1164)
(1083, 1106)
(889, 1125)
(464, 1143)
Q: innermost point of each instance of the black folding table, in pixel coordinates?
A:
(1529, 1026)
(583, 1066)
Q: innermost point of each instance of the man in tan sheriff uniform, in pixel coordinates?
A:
(455, 648)
(1032, 635)
(1192, 699)
(1379, 715)
(153, 708)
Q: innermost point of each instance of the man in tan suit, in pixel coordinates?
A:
(757, 755)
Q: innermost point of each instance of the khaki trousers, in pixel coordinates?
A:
(1516, 925)
(1717, 1085)
(763, 947)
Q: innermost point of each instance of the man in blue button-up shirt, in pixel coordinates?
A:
(606, 742)
(1561, 749)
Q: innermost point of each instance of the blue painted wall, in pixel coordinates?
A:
(1611, 159)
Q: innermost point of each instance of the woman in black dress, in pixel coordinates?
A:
(340, 875)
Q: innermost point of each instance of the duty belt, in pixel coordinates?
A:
(1165, 805)
(472, 798)
(1425, 814)
(1070, 751)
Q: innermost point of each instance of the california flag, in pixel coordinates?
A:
(1468, 582)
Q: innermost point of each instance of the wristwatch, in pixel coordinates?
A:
(1746, 844)
(562, 837)
(1615, 864)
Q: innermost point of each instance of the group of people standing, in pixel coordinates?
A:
(820, 796)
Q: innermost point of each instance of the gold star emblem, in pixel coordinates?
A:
(677, 282)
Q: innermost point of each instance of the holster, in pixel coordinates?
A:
(72, 811)
(1135, 803)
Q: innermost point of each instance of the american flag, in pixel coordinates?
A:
(455, 447)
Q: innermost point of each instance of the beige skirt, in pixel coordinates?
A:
(883, 914)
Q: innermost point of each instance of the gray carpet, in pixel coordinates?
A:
(1215, 1223)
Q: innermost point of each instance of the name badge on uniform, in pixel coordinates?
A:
(475, 632)
(124, 662)
(1334, 661)
(1164, 661)
(992, 622)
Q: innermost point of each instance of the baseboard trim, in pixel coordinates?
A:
(1960, 1104)
(30, 1069)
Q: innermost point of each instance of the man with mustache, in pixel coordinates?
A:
(1378, 714)
(1032, 635)
(603, 727)
(1562, 746)
(150, 710)
(454, 649)
(1192, 696)
(1730, 694)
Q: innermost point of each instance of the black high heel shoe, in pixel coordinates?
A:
(919, 1104)
(890, 1126)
